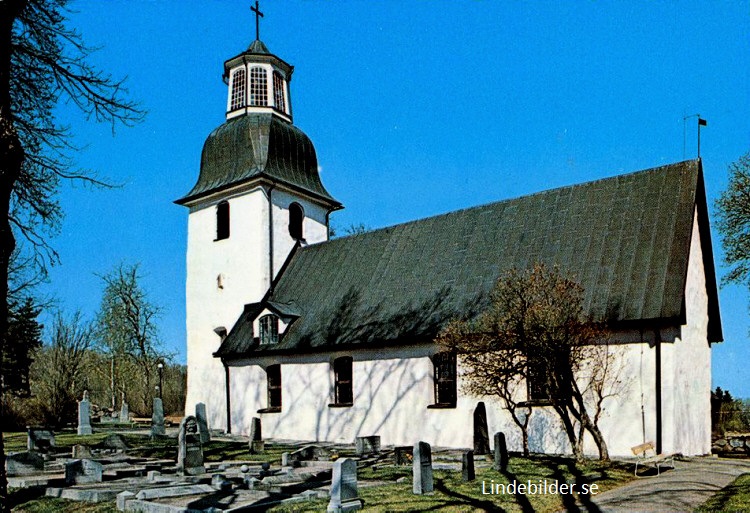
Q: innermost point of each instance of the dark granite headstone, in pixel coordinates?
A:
(202, 419)
(481, 432)
(344, 495)
(422, 468)
(467, 466)
(189, 449)
(501, 453)
(157, 419)
(255, 430)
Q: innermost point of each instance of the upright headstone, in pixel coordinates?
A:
(481, 432)
(189, 450)
(202, 419)
(124, 412)
(256, 437)
(81, 451)
(84, 415)
(501, 453)
(422, 468)
(467, 466)
(344, 487)
(157, 419)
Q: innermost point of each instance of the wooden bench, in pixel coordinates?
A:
(644, 458)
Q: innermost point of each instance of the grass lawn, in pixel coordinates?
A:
(454, 495)
(733, 497)
(451, 493)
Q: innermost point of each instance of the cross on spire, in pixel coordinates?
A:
(258, 16)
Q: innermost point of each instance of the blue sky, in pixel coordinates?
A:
(415, 108)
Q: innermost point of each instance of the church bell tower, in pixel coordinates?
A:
(258, 195)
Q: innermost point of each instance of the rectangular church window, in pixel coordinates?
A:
(445, 379)
(222, 220)
(273, 379)
(535, 382)
(343, 389)
(269, 329)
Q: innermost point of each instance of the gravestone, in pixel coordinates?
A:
(189, 450)
(367, 445)
(39, 439)
(467, 466)
(114, 441)
(83, 471)
(157, 419)
(256, 438)
(344, 487)
(202, 419)
(422, 468)
(84, 415)
(307, 453)
(82, 451)
(481, 432)
(501, 453)
(23, 463)
(124, 412)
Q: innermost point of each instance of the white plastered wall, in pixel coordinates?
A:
(241, 264)
(686, 367)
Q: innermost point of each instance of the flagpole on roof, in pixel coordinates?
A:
(701, 122)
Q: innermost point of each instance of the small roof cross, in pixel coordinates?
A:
(258, 16)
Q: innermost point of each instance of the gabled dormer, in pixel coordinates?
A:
(258, 82)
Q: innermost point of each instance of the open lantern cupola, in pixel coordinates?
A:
(258, 82)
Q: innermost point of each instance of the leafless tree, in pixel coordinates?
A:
(41, 62)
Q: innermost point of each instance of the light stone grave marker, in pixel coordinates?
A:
(124, 412)
(367, 445)
(422, 469)
(256, 438)
(157, 419)
(189, 451)
(81, 451)
(84, 415)
(202, 419)
(344, 495)
(83, 471)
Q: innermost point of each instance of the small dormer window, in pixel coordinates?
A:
(222, 220)
(269, 329)
(296, 216)
(258, 87)
(278, 92)
(239, 86)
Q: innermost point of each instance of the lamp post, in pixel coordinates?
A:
(161, 374)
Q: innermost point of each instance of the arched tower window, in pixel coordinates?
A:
(296, 216)
(269, 329)
(258, 87)
(222, 220)
(239, 86)
(278, 92)
(342, 373)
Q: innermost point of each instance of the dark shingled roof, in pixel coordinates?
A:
(257, 146)
(626, 239)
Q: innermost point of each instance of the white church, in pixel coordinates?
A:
(326, 340)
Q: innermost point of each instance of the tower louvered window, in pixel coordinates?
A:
(239, 83)
(278, 92)
(258, 87)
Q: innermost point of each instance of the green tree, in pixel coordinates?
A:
(534, 333)
(41, 62)
(25, 337)
(733, 221)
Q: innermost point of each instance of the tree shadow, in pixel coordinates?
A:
(583, 501)
(462, 500)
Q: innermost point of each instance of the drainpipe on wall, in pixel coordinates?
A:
(270, 239)
(657, 387)
(229, 405)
